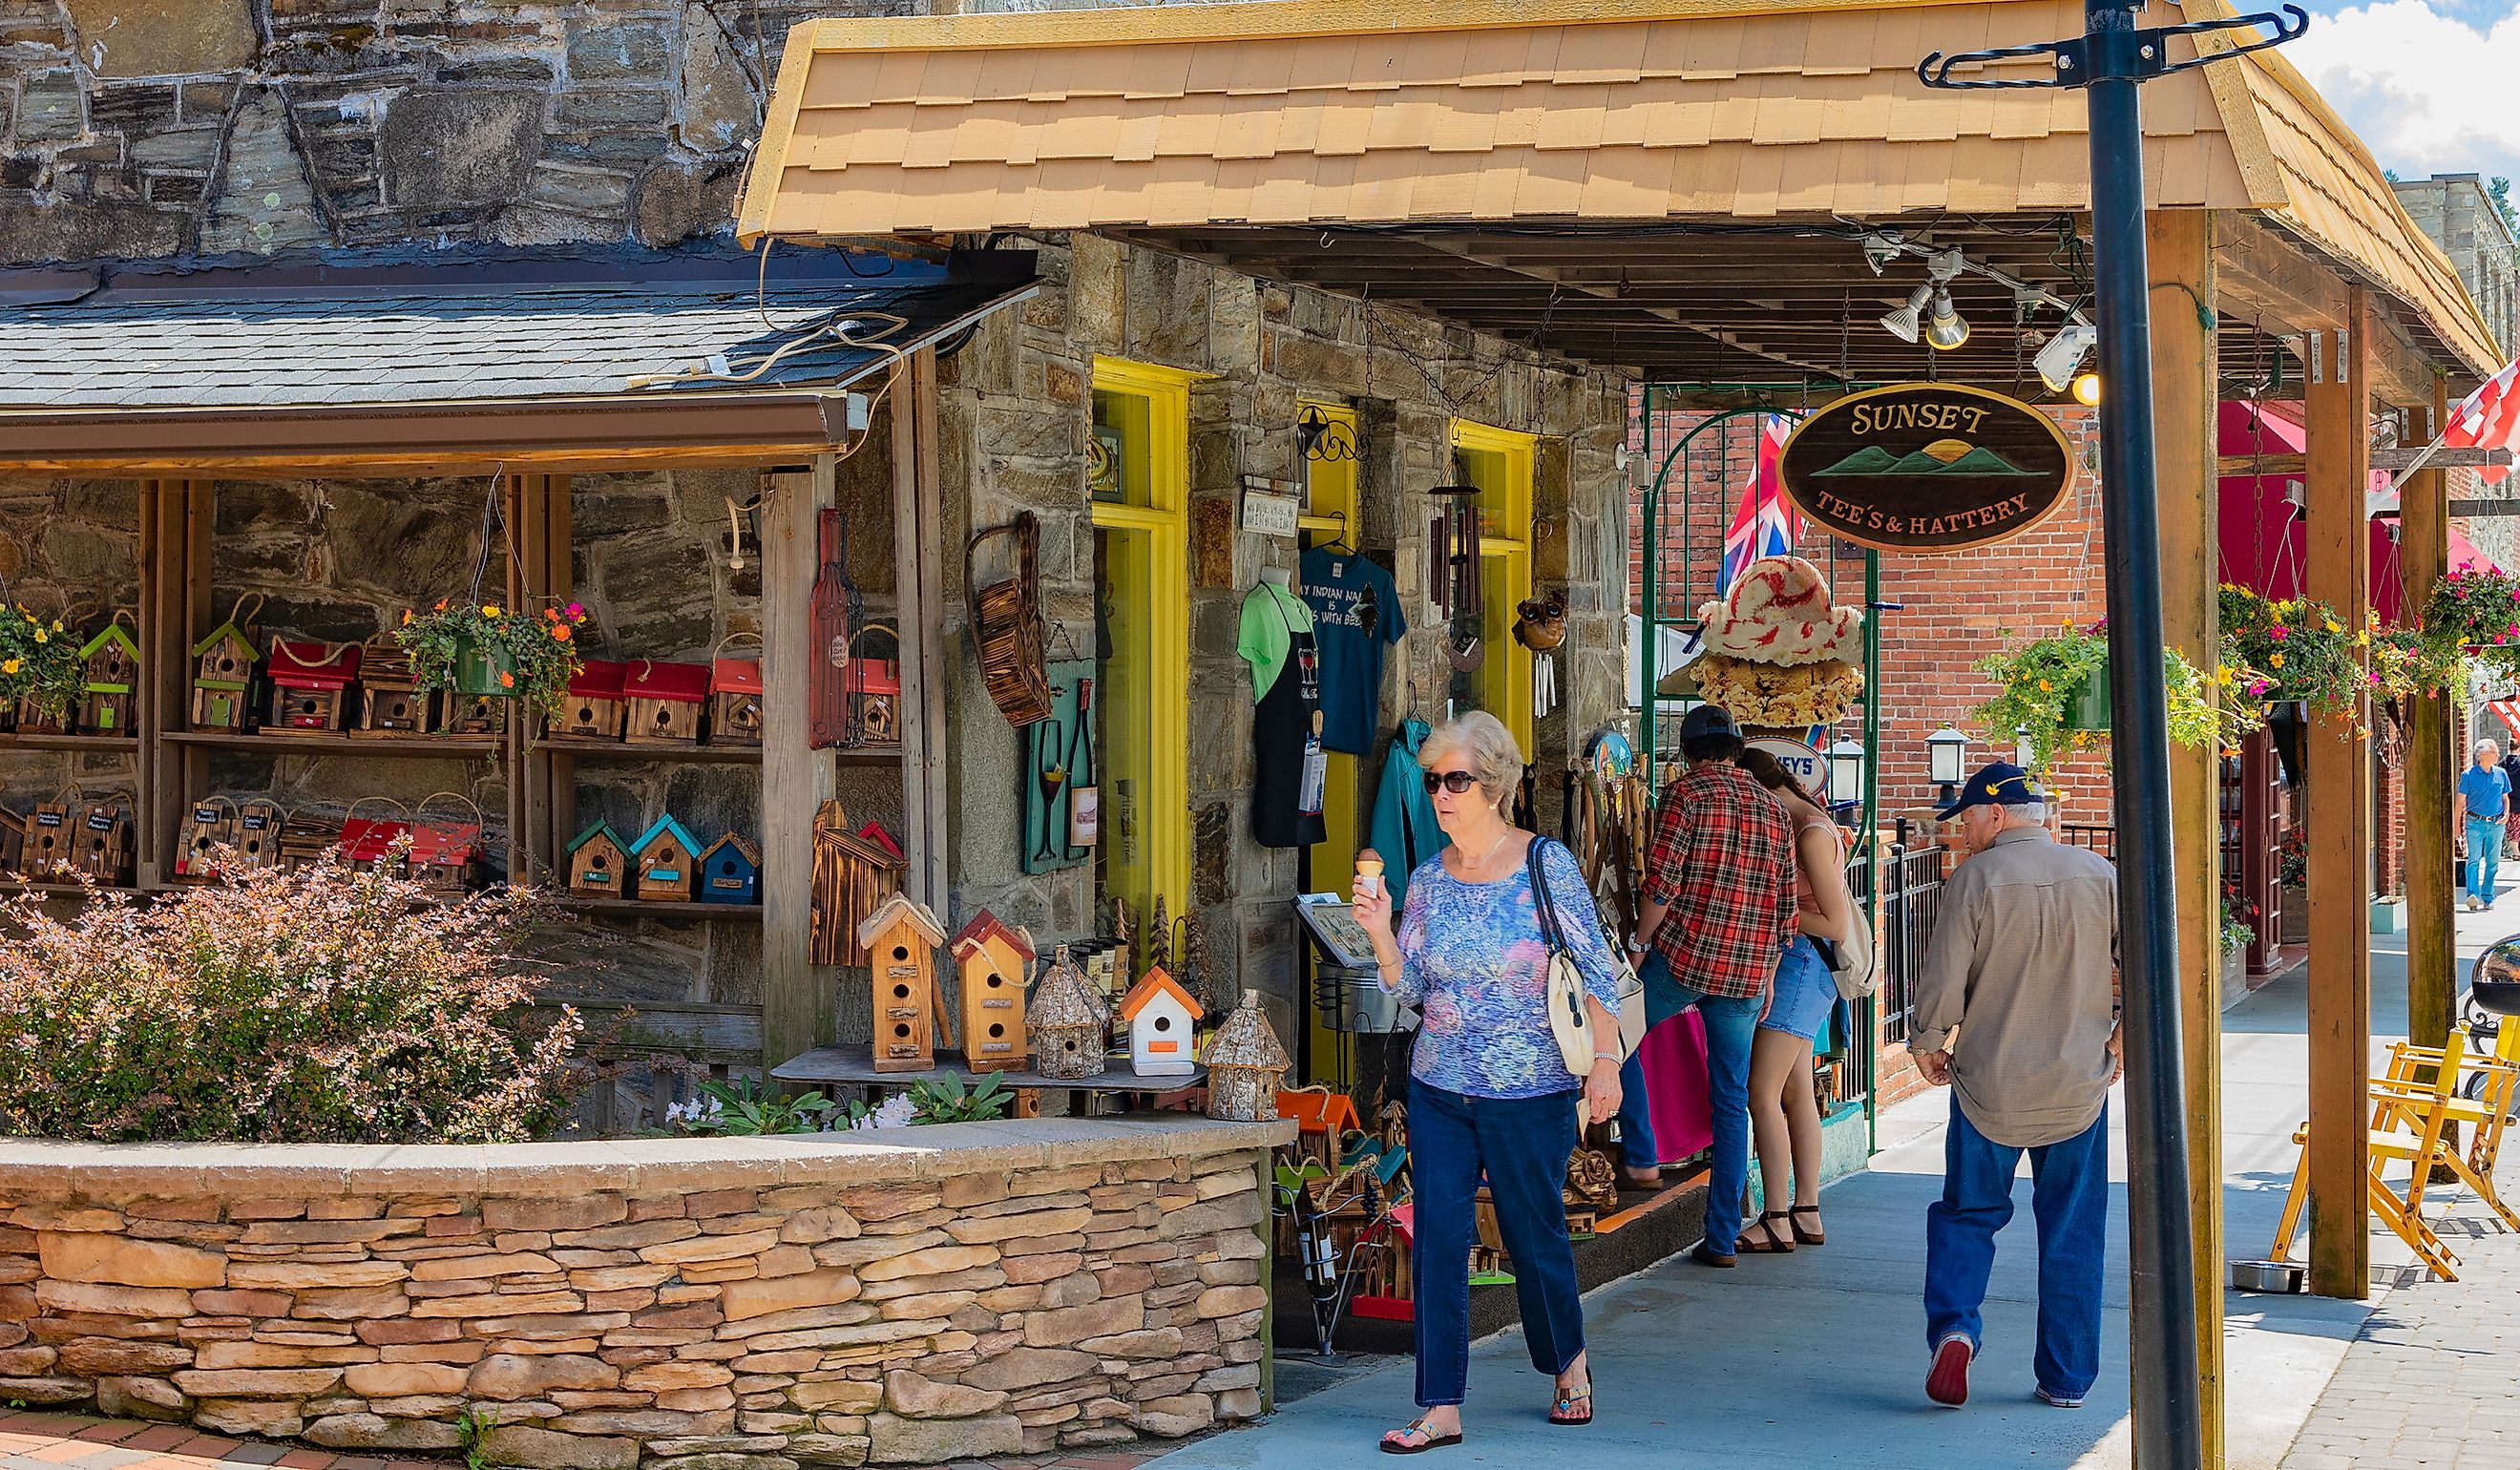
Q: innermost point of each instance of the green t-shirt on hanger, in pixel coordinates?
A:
(1272, 616)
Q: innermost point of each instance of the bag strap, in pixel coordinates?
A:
(1551, 932)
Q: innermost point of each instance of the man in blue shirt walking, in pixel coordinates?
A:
(2485, 799)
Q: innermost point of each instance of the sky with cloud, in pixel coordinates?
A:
(2428, 83)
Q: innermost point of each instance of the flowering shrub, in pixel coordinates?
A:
(330, 1005)
(39, 660)
(536, 655)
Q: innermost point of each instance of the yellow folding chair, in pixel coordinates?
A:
(2482, 1103)
(2407, 1123)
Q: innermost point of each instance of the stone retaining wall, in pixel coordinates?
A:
(712, 1305)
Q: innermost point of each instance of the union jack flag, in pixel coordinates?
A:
(2487, 419)
(1765, 524)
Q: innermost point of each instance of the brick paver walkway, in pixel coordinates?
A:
(2427, 1384)
(51, 1442)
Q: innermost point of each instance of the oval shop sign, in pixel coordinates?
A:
(1927, 466)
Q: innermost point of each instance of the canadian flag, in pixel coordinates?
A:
(2489, 418)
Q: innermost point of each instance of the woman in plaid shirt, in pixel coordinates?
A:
(1489, 1092)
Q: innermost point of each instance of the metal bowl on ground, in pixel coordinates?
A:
(2285, 1277)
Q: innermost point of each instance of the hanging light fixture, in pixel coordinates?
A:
(2086, 389)
(2065, 353)
(1944, 328)
(1907, 323)
(1929, 313)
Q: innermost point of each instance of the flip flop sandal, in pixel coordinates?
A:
(1803, 1236)
(1562, 1412)
(1766, 1244)
(1392, 1443)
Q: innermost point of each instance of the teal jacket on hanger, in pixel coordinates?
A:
(1404, 829)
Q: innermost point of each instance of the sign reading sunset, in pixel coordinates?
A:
(1927, 467)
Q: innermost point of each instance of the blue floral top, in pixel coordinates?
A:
(1472, 960)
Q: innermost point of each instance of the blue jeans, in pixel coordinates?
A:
(1730, 1024)
(2069, 1195)
(2484, 857)
(1521, 1145)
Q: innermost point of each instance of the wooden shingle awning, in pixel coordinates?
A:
(1188, 123)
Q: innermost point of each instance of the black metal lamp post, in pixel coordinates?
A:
(2110, 61)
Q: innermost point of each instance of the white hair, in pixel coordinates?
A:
(2482, 746)
(2023, 814)
(1495, 759)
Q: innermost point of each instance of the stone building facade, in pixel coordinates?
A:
(2458, 213)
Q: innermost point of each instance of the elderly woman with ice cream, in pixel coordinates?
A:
(1490, 1093)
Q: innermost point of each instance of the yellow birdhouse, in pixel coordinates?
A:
(901, 938)
(991, 960)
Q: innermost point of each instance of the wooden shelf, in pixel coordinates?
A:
(335, 743)
(652, 909)
(623, 750)
(65, 890)
(69, 741)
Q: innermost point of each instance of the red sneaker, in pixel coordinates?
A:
(1948, 1383)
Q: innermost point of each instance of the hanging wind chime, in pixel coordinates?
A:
(1453, 573)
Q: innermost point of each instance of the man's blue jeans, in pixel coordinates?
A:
(2069, 1195)
(2484, 857)
(1730, 1024)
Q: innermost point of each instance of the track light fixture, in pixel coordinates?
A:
(1929, 313)
(1907, 323)
(1880, 248)
(1944, 328)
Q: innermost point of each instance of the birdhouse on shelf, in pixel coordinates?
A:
(13, 842)
(1066, 1019)
(258, 826)
(1160, 1016)
(734, 695)
(665, 856)
(310, 683)
(991, 960)
(730, 871)
(223, 678)
(392, 701)
(104, 847)
(903, 937)
(1244, 1065)
(208, 826)
(853, 872)
(599, 863)
(448, 855)
(666, 701)
(112, 673)
(595, 704)
(50, 840)
(472, 715)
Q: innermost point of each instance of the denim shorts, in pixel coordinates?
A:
(1806, 992)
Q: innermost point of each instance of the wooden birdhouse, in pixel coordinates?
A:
(223, 678)
(368, 842)
(258, 826)
(991, 960)
(208, 826)
(106, 851)
(448, 852)
(595, 704)
(50, 840)
(472, 715)
(1066, 1019)
(310, 685)
(306, 838)
(392, 701)
(665, 856)
(666, 701)
(730, 871)
(903, 936)
(853, 872)
(13, 844)
(33, 718)
(599, 863)
(734, 695)
(1160, 1016)
(109, 689)
(1244, 1065)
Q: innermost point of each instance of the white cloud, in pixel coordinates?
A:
(2429, 93)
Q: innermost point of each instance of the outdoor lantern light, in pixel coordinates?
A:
(2065, 353)
(1845, 772)
(2021, 746)
(1946, 754)
(1944, 330)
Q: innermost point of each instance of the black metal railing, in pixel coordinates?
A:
(1911, 891)
(2099, 837)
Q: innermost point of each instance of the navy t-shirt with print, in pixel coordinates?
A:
(1356, 616)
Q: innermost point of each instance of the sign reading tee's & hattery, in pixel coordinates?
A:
(1927, 466)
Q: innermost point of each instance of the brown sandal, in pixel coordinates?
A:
(1767, 1244)
(1397, 1441)
(1801, 1236)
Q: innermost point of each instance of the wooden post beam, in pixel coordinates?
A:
(2337, 395)
(797, 998)
(919, 552)
(2179, 244)
(2432, 758)
(2266, 278)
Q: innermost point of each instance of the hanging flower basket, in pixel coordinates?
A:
(483, 669)
(39, 661)
(2054, 693)
(477, 649)
(2088, 708)
(2474, 612)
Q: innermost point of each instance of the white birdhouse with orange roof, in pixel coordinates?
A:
(1161, 1017)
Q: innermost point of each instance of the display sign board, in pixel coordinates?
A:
(1268, 507)
(1805, 764)
(1927, 466)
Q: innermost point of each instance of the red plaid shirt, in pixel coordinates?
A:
(1723, 857)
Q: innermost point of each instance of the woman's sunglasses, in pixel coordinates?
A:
(1455, 781)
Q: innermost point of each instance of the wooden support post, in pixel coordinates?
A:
(2179, 246)
(2338, 570)
(2433, 758)
(918, 538)
(797, 998)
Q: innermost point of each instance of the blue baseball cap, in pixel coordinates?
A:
(1998, 784)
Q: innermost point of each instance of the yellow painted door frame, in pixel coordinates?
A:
(1150, 652)
(1500, 461)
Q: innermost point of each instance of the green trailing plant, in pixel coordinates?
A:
(533, 656)
(950, 1101)
(2038, 680)
(2299, 649)
(741, 1109)
(39, 661)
